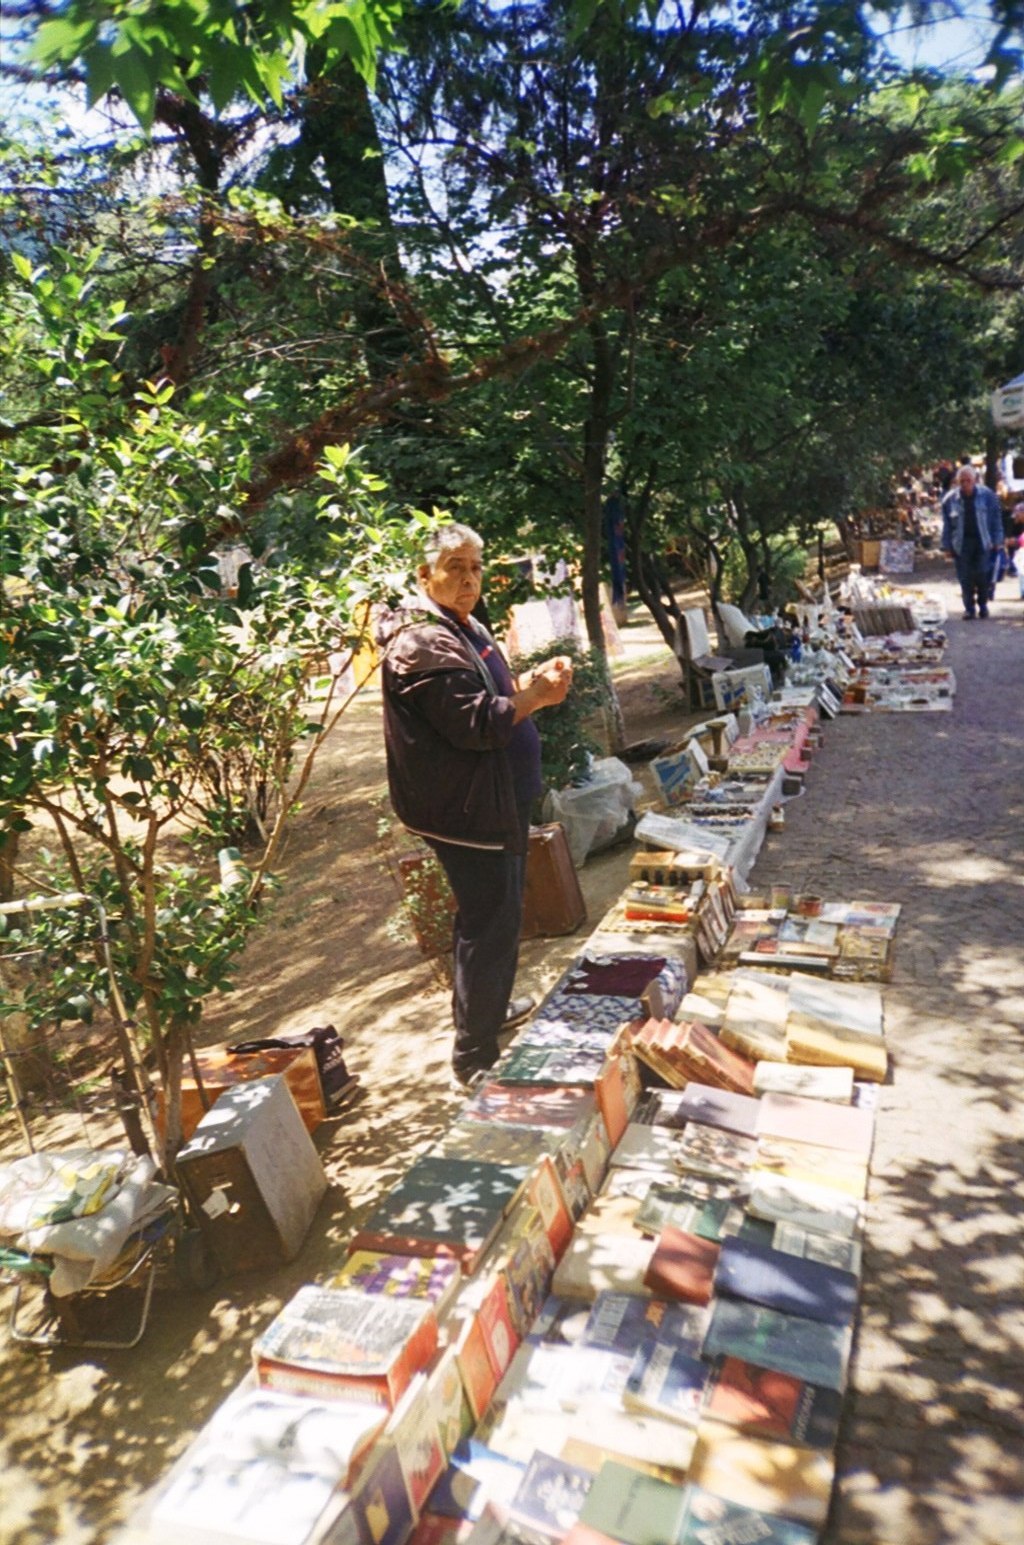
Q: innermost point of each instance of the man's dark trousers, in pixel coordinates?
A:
(974, 571)
(488, 890)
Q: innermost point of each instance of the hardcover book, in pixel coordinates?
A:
(633, 1507)
(689, 1053)
(414, 1431)
(343, 1342)
(622, 1322)
(682, 1267)
(787, 1343)
(381, 1500)
(544, 1192)
(812, 1164)
(713, 1520)
(550, 1108)
(550, 1496)
(772, 1477)
(433, 1278)
(443, 1207)
(830, 1249)
(799, 1119)
(834, 1085)
(770, 1404)
(550, 1065)
(266, 1467)
(596, 1263)
(666, 1381)
(714, 1107)
(678, 1207)
(790, 1283)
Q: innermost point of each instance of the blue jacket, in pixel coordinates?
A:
(990, 520)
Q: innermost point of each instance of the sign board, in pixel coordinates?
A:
(1008, 405)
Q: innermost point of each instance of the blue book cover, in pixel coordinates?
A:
(381, 1503)
(476, 1475)
(623, 1322)
(790, 1283)
(550, 1496)
(712, 1520)
(666, 1381)
(789, 1343)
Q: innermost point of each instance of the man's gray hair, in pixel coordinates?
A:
(443, 538)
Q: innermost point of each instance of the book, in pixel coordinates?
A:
(485, 1345)
(689, 1053)
(787, 1343)
(771, 1404)
(544, 1192)
(433, 1278)
(763, 1475)
(566, 1064)
(547, 1107)
(809, 1162)
(714, 1107)
(549, 1497)
(477, 1475)
(589, 1436)
(561, 1321)
(266, 1467)
(646, 1147)
(710, 1151)
(800, 1119)
(339, 1341)
(713, 1520)
(522, 1251)
(633, 1507)
(564, 1377)
(452, 1414)
(668, 1381)
(602, 1262)
(496, 1142)
(622, 1322)
(784, 1281)
(610, 1089)
(413, 1429)
(834, 1084)
(443, 1206)
(682, 1267)
(381, 1502)
(819, 1208)
(678, 1207)
(830, 1249)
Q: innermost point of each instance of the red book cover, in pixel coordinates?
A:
(476, 1367)
(495, 1316)
(682, 1267)
(611, 1099)
(544, 1191)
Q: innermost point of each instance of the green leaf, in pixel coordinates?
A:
(136, 79)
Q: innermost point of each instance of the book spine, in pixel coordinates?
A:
(293, 1380)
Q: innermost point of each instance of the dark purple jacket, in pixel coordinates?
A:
(446, 732)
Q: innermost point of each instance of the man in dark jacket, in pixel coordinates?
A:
(972, 532)
(463, 771)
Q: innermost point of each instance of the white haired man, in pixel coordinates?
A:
(972, 532)
(463, 771)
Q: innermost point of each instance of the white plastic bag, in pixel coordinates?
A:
(595, 813)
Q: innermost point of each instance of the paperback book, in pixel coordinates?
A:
(790, 1283)
(771, 1404)
(807, 1349)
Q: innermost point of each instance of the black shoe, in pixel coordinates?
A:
(983, 612)
(968, 617)
(518, 1010)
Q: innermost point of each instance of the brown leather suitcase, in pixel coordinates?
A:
(552, 902)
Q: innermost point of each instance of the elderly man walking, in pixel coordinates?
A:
(972, 531)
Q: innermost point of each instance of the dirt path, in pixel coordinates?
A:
(924, 809)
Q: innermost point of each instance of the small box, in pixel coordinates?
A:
(221, 1069)
(253, 1176)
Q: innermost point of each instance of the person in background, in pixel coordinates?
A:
(972, 532)
(463, 760)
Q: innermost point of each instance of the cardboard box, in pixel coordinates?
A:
(221, 1069)
(252, 1175)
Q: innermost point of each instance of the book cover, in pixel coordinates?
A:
(528, 1262)
(834, 1085)
(477, 1476)
(808, 1349)
(595, 1263)
(414, 1431)
(622, 1322)
(787, 1282)
(610, 1089)
(710, 1151)
(677, 1207)
(336, 1339)
(714, 1107)
(646, 1147)
(561, 1321)
(381, 1500)
(547, 1375)
(692, 1053)
(434, 1278)
(442, 1206)
(496, 1142)
(765, 1476)
(548, 1107)
(666, 1381)
(800, 1119)
(809, 1206)
(495, 1315)
(265, 1467)
(544, 1192)
(550, 1496)
(633, 1507)
(830, 1249)
(810, 1162)
(682, 1267)
(476, 1365)
(713, 1520)
(566, 1064)
(771, 1404)
(452, 1414)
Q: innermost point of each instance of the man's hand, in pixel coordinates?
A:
(548, 685)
